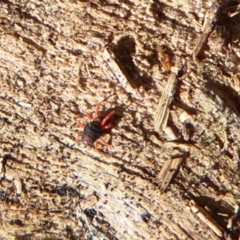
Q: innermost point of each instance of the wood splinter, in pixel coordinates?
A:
(206, 218)
(210, 21)
(167, 172)
(162, 112)
(122, 76)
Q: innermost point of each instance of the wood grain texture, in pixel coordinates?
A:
(52, 72)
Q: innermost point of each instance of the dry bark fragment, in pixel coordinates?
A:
(162, 112)
(42, 47)
(167, 172)
(118, 71)
(169, 131)
(214, 16)
(206, 218)
(208, 26)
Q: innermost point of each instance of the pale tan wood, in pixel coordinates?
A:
(52, 71)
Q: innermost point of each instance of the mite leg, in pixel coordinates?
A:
(109, 145)
(89, 116)
(102, 142)
(96, 113)
(79, 136)
(96, 144)
(107, 126)
(107, 118)
(79, 124)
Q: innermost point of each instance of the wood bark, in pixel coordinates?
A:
(52, 71)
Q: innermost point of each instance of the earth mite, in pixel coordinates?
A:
(95, 128)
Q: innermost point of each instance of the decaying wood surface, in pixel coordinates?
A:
(52, 71)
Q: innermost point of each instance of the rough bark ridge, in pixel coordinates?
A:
(52, 71)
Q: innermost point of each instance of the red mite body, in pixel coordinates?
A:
(91, 133)
(95, 128)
